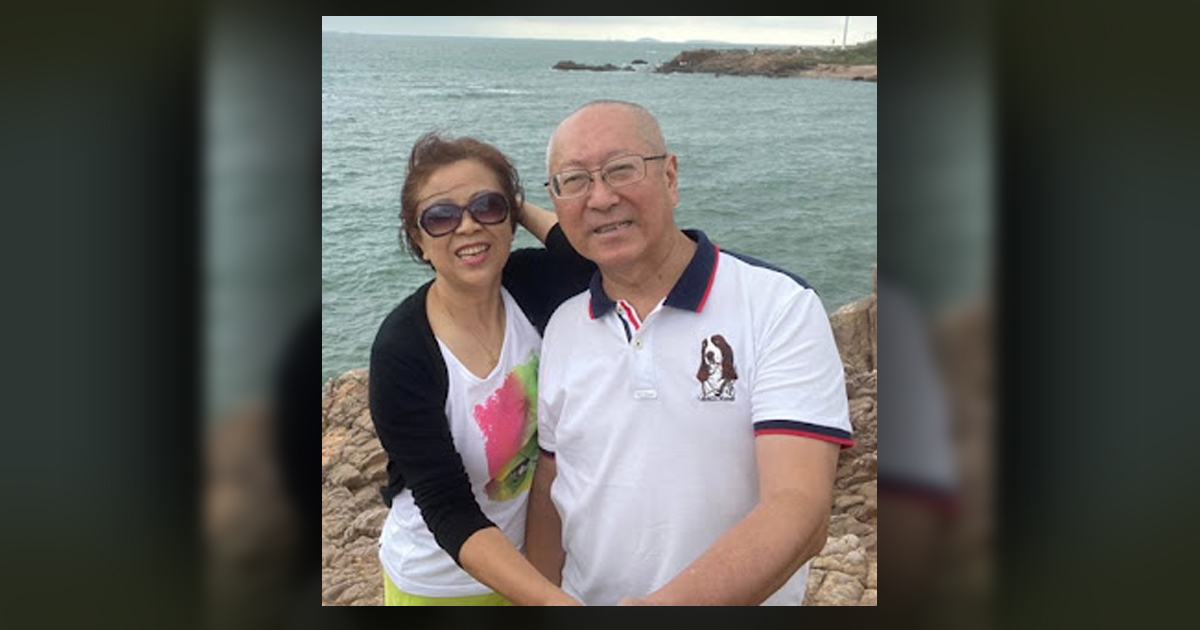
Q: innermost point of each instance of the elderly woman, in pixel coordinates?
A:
(453, 381)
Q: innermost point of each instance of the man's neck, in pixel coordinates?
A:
(646, 284)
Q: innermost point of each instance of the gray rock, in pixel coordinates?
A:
(839, 589)
(346, 475)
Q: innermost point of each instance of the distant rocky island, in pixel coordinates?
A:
(859, 63)
(856, 63)
(608, 67)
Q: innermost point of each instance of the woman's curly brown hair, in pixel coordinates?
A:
(431, 152)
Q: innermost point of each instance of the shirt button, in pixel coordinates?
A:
(637, 343)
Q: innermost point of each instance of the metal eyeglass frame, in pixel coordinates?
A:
(555, 188)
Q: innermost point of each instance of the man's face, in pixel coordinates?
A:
(617, 228)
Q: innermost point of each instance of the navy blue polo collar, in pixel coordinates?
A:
(690, 291)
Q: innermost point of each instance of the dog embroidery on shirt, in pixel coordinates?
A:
(716, 373)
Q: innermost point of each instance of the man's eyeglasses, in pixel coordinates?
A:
(617, 172)
(440, 219)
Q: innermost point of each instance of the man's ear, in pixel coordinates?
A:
(671, 171)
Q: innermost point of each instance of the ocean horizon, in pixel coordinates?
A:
(781, 169)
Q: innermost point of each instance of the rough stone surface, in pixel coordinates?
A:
(352, 511)
(838, 589)
(854, 330)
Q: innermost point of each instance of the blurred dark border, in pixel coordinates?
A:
(98, 161)
(1100, 131)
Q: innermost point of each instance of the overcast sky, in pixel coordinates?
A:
(765, 29)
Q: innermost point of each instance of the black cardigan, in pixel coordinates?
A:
(409, 385)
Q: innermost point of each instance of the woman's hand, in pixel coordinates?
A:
(537, 220)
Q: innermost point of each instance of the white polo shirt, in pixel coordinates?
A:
(652, 422)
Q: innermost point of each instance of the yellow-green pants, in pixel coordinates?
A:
(393, 596)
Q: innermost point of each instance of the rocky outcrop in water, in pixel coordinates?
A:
(571, 65)
(773, 62)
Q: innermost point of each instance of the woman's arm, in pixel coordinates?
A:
(492, 559)
(407, 401)
(537, 220)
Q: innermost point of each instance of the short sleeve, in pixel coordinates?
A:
(799, 387)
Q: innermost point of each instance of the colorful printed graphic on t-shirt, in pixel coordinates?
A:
(508, 420)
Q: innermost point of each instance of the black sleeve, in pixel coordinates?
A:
(408, 385)
(541, 279)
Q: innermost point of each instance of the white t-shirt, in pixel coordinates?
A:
(493, 422)
(652, 422)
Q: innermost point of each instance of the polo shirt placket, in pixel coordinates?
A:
(645, 385)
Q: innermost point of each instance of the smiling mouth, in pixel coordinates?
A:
(472, 250)
(612, 227)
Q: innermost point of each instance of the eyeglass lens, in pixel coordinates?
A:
(619, 172)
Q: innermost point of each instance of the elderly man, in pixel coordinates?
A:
(691, 402)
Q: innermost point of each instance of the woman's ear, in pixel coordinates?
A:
(515, 215)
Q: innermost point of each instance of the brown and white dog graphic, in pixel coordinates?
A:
(716, 373)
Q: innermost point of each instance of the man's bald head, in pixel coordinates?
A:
(645, 125)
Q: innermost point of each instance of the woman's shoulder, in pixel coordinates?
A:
(407, 323)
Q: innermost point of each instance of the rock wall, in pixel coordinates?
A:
(353, 466)
(844, 573)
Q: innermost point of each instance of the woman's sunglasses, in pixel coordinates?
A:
(443, 218)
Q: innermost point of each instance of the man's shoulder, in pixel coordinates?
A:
(575, 310)
(763, 286)
(759, 269)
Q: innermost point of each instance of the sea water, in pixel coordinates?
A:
(781, 169)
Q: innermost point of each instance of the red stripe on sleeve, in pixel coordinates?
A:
(846, 443)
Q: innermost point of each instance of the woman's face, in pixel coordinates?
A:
(474, 254)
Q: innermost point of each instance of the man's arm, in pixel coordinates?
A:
(537, 220)
(543, 529)
(757, 555)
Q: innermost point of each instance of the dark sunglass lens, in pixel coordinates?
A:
(441, 219)
(490, 209)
